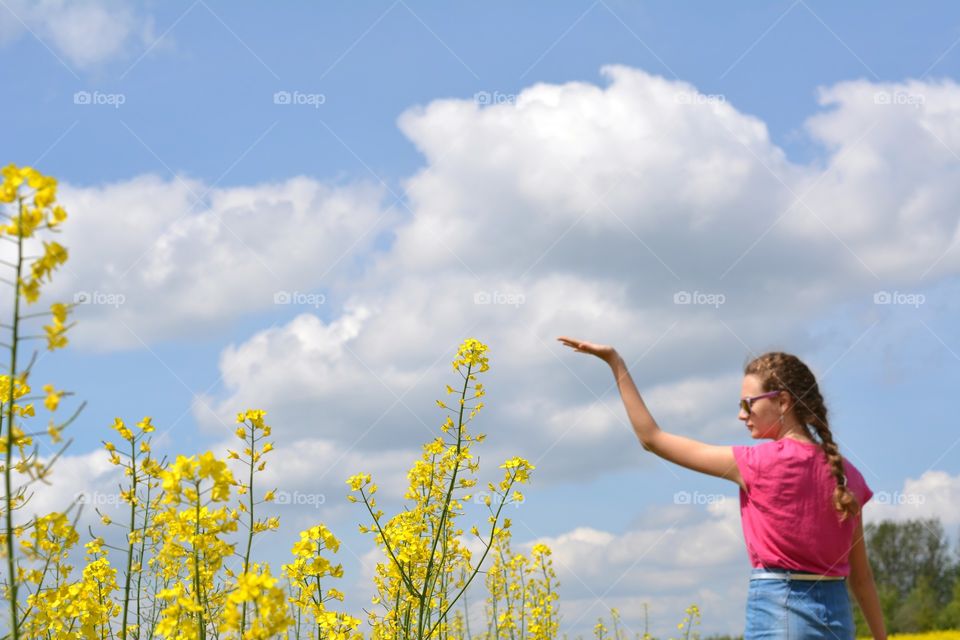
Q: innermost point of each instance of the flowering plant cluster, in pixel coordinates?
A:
(184, 568)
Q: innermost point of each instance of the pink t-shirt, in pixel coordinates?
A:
(787, 510)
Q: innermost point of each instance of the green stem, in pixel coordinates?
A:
(476, 570)
(8, 485)
(504, 551)
(201, 627)
(43, 576)
(319, 593)
(386, 543)
(406, 617)
(246, 557)
(428, 587)
(103, 633)
(548, 600)
(143, 546)
(133, 526)
(466, 613)
(523, 601)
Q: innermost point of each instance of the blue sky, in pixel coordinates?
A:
(199, 138)
(203, 93)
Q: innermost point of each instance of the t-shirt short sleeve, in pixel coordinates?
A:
(858, 485)
(746, 459)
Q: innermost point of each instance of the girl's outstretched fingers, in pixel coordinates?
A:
(574, 344)
(602, 351)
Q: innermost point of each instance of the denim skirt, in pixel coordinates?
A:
(784, 609)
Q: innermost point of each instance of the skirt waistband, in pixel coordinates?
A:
(777, 574)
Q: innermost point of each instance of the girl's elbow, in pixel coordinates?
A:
(647, 443)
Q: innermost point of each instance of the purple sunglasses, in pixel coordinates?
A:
(746, 404)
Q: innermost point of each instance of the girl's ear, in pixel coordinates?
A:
(785, 403)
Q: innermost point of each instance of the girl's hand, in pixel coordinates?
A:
(602, 351)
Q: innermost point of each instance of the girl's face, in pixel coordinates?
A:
(763, 421)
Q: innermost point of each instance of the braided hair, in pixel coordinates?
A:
(780, 371)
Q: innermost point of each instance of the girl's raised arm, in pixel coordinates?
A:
(713, 460)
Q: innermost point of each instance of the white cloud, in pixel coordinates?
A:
(85, 32)
(162, 259)
(618, 174)
(888, 187)
(713, 539)
(82, 485)
(313, 473)
(630, 156)
(935, 494)
(89, 477)
(368, 379)
(647, 197)
(509, 242)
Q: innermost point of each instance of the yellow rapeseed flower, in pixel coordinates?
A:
(52, 401)
(120, 427)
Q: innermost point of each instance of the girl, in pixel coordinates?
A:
(800, 500)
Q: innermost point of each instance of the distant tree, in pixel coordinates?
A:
(949, 617)
(918, 612)
(900, 552)
(916, 576)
